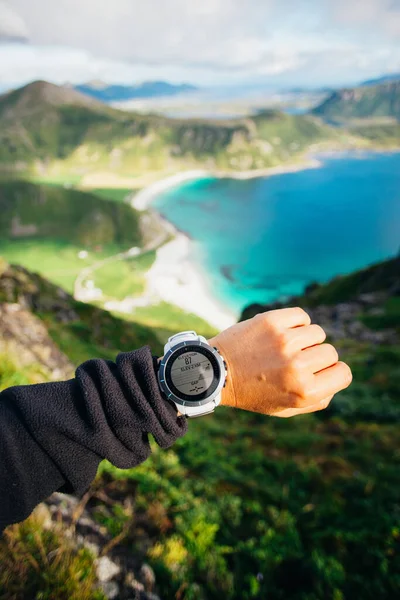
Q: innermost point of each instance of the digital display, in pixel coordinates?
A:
(192, 373)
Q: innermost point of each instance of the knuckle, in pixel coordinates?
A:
(297, 363)
(297, 400)
(281, 340)
(270, 317)
(320, 331)
(300, 394)
(293, 400)
(331, 350)
(302, 312)
(264, 317)
(346, 374)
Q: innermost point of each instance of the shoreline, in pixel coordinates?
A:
(142, 199)
(175, 277)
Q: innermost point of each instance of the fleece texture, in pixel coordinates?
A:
(54, 435)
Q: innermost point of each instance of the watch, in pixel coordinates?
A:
(192, 374)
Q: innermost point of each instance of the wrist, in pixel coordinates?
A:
(228, 393)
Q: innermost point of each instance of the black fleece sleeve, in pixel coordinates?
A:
(54, 435)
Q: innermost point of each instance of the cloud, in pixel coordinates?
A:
(217, 32)
(381, 15)
(12, 25)
(209, 40)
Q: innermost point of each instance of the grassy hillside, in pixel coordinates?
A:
(379, 134)
(48, 131)
(51, 212)
(249, 507)
(362, 102)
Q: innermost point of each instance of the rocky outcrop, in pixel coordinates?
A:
(120, 573)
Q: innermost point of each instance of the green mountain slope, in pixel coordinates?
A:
(41, 212)
(46, 228)
(51, 131)
(363, 102)
(245, 507)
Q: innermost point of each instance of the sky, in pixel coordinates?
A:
(282, 43)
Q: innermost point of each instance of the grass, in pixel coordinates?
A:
(59, 181)
(166, 319)
(123, 278)
(116, 194)
(11, 374)
(57, 260)
(41, 563)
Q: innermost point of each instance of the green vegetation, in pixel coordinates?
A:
(380, 134)
(51, 212)
(363, 102)
(123, 278)
(56, 260)
(166, 319)
(11, 374)
(41, 564)
(116, 194)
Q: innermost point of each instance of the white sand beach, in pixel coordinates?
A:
(175, 278)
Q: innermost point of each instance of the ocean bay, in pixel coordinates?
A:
(266, 238)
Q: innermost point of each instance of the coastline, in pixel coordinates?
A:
(175, 277)
(144, 198)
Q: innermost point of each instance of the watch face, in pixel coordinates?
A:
(192, 373)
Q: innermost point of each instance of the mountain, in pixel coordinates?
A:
(242, 500)
(118, 93)
(32, 97)
(55, 131)
(367, 102)
(384, 79)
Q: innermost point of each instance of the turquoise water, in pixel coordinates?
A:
(262, 239)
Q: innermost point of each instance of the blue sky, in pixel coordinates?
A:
(207, 42)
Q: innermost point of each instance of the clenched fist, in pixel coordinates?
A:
(278, 364)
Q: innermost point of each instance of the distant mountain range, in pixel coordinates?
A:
(364, 102)
(57, 131)
(384, 79)
(118, 93)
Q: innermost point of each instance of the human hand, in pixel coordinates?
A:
(278, 364)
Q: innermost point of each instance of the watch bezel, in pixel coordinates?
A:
(194, 345)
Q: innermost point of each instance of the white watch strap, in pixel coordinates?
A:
(184, 336)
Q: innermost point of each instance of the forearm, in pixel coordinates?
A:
(53, 436)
